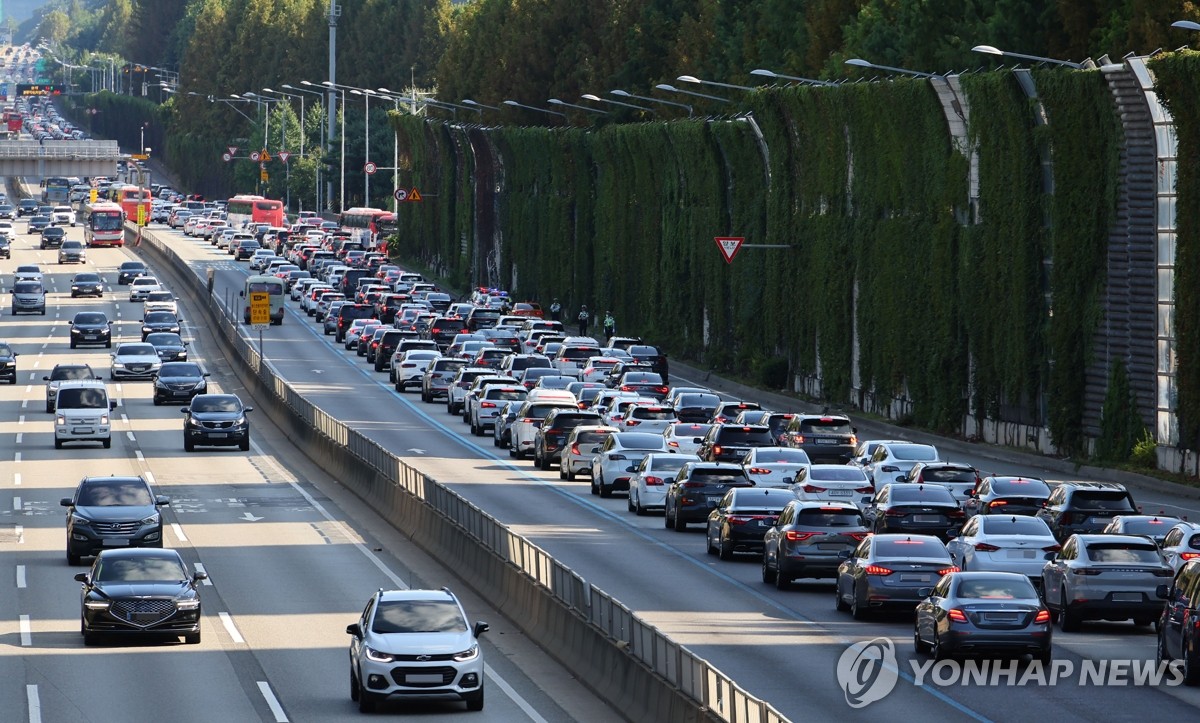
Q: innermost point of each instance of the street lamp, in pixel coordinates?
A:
(515, 104)
(342, 184)
(1185, 25)
(992, 50)
(320, 168)
(694, 79)
(556, 101)
(477, 106)
(673, 89)
(764, 73)
(648, 99)
(329, 99)
(396, 99)
(366, 93)
(860, 63)
(290, 95)
(598, 99)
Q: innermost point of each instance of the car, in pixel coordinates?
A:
(8, 363)
(61, 373)
(106, 512)
(983, 613)
(776, 421)
(685, 437)
(1085, 507)
(415, 643)
(346, 315)
(179, 381)
(833, 483)
(134, 360)
(82, 413)
(408, 368)
(1105, 577)
(169, 345)
(891, 461)
(139, 592)
(1004, 543)
(5, 246)
(810, 539)
(731, 442)
(1155, 527)
(8, 211)
(550, 439)
(923, 509)
(1001, 495)
(70, 251)
(774, 466)
(726, 411)
(87, 283)
(327, 313)
(741, 519)
(960, 479)
(28, 297)
(485, 407)
(827, 438)
(696, 489)
(130, 270)
(615, 463)
(889, 571)
(356, 330)
(648, 487)
(216, 420)
(39, 223)
(456, 393)
(514, 364)
(502, 428)
(1181, 545)
(162, 300)
(159, 321)
(28, 272)
(1179, 623)
(141, 286)
(62, 216)
(443, 329)
(648, 417)
(27, 207)
(91, 327)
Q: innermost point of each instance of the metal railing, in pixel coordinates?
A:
(98, 150)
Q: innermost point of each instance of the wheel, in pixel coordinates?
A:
(709, 548)
(605, 490)
(768, 575)
(1068, 621)
(570, 473)
(840, 605)
(679, 524)
(49, 408)
(639, 509)
(188, 446)
(783, 581)
(107, 442)
(72, 343)
(1191, 667)
(1160, 649)
(366, 701)
(474, 700)
(544, 463)
(192, 638)
(668, 522)
(58, 444)
(919, 645)
(89, 638)
(73, 559)
(157, 402)
(858, 612)
(353, 687)
(937, 650)
(244, 445)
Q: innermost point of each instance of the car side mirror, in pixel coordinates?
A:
(1162, 592)
(185, 410)
(480, 628)
(162, 500)
(924, 592)
(845, 554)
(242, 294)
(354, 629)
(66, 502)
(112, 406)
(198, 576)
(247, 409)
(206, 374)
(1051, 556)
(901, 478)
(953, 533)
(81, 577)
(45, 378)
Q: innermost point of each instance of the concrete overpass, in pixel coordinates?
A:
(59, 158)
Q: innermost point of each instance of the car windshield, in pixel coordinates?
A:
(90, 317)
(159, 296)
(133, 266)
(87, 398)
(418, 616)
(910, 548)
(996, 525)
(160, 317)
(27, 287)
(179, 369)
(140, 569)
(216, 403)
(995, 589)
(71, 372)
(114, 493)
(1124, 552)
(136, 350)
(1092, 500)
(5, 350)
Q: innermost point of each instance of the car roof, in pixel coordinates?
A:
(416, 594)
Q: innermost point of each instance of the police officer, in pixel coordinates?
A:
(583, 318)
(555, 310)
(610, 325)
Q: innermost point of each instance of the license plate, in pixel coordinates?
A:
(116, 542)
(713, 500)
(927, 518)
(90, 336)
(827, 441)
(218, 435)
(1002, 617)
(422, 678)
(914, 578)
(1023, 554)
(1099, 520)
(1126, 597)
(840, 493)
(831, 546)
(82, 430)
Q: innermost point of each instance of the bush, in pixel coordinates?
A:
(773, 373)
(1145, 452)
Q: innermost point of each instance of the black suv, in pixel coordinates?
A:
(27, 207)
(445, 328)
(108, 511)
(731, 442)
(826, 438)
(811, 538)
(349, 312)
(8, 363)
(387, 347)
(1179, 626)
(91, 327)
(551, 437)
(1085, 507)
(696, 490)
(482, 318)
(52, 237)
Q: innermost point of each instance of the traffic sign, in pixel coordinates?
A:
(260, 308)
(255, 155)
(232, 150)
(93, 195)
(264, 156)
(370, 168)
(284, 155)
(262, 175)
(141, 215)
(729, 246)
(414, 195)
(226, 157)
(400, 194)
(140, 156)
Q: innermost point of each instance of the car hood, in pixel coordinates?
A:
(90, 327)
(181, 380)
(421, 643)
(137, 359)
(216, 416)
(116, 513)
(116, 590)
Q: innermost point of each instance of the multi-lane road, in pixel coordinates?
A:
(291, 557)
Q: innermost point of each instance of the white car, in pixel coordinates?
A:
(774, 466)
(648, 417)
(140, 287)
(261, 257)
(302, 285)
(27, 272)
(648, 488)
(161, 300)
(618, 459)
(134, 360)
(892, 460)
(833, 483)
(1181, 544)
(409, 367)
(583, 443)
(484, 407)
(529, 418)
(685, 437)
(596, 368)
(7, 230)
(62, 216)
(615, 412)
(1004, 543)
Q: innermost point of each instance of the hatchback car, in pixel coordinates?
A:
(217, 420)
(415, 644)
(1007, 496)
(890, 571)
(91, 327)
(1004, 543)
(983, 613)
(810, 540)
(87, 284)
(109, 512)
(741, 519)
(685, 437)
(179, 381)
(731, 442)
(923, 509)
(696, 490)
(892, 461)
(648, 487)
(550, 439)
(1105, 577)
(1181, 545)
(134, 592)
(618, 458)
(1155, 527)
(133, 360)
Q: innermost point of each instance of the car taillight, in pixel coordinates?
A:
(864, 490)
(1052, 548)
(673, 444)
(759, 470)
(957, 615)
(693, 485)
(878, 570)
(435, 330)
(948, 570)
(799, 439)
(1085, 571)
(632, 422)
(1189, 555)
(895, 513)
(957, 512)
(738, 519)
(1042, 617)
(529, 420)
(813, 489)
(487, 405)
(860, 536)
(618, 457)
(717, 449)
(997, 503)
(985, 547)
(663, 390)
(1164, 572)
(652, 481)
(575, 448)
(626, 388)
(793, 536)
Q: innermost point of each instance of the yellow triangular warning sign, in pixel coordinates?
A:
(414, 195)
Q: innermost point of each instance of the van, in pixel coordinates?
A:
(273, 286)
(28, 297)
(81, 412)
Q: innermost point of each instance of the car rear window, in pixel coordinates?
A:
(911, 548)
(826, 517)
(762, 499)
(576, 353)
(598, 435)
(530, 362)
(1021, 488)
(1095, 500)
(637, 440)
(920, 494)
(443, 365)
(1124, 552)
(715, 476)
(997, 525)
(451, 324)
(1156, 527)
(570, 421)
(914, 452)
(652, 413)
(746, 436)
(995, 589)
(948, 475)
(539, 411)
(837, 474)
(826, 425)
(782, 456)
(643, 378)
(536, 372)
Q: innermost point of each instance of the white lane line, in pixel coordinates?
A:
(29, 387)
(21, 419)
(140, 457)
(227, 621)
(200, 568)
(24, 403)
(45, 344)
(178, 532)
(16, 457)
(26, 632)
(150, 478)
(20, 577)
(16, 504)
(124, 419)
(20, 436)
(32, 378)
(130, 435)
(34, 702)
(40, 353)
(36, 363)
(16, 479)
(272, 702)
(20, 531)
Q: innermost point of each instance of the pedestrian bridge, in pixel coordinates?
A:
(58, 158)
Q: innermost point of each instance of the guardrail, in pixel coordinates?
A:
(705, 692)
(67, 150)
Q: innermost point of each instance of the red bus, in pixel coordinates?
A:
(243, 208)
(363, 225)
(104, 225)
(127, 196)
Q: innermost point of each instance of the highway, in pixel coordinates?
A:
(781, 646)
(291, 556)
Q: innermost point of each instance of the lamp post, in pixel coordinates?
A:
(478, 107)
(697, 81)
(556, 101)
(597, 99)
(860, 63)
(329, 105)
(342, 188)
(648, 99)
(320, 169)
(673, 89)
(396, 100)
(764, 73)
(993, 50)
(366, 93)
(515, 104)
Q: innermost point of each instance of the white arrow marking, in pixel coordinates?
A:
(248, 517)
(417, 451)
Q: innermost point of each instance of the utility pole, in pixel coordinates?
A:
(334, 12)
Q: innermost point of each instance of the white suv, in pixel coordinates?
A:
(62, 215)
(415, 644)
(81, 413)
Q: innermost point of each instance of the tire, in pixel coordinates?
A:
(768, 575)
(58, 444)
(107, 443)
(89, 638)
(570, 473)
(639, 509)
(629, 502)
(157, 402)
(244, 445)
(474, 700)
(72, 559)
(49, 408)
(783, 581)
(188, 446)
(856, 611)
(1068, 621)
(544, 463)
(936, 650)
(353, 687)
(1160, 649)
(709, 549)
(605, 491)
(1191, 667)
(192, 638)
(667, 522)
(840, 605)
(724, 549)
(72, 344)
(366, 701)
(920, 646)
(679, 524)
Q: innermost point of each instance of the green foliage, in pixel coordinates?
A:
(1120, 426)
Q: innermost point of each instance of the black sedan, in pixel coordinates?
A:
(923, 509)
(8, 363)
(170, 346)
(741, 519)
(52, 236)
(91, 327)
(983, 613)
(87, 284)
(39, 223)
(891, 571)
(179, 381)
(217, 420)
(130, 270)
(5, 247)
(159, 321)
(139, 591)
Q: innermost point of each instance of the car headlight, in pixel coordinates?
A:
(96, 604)
(468, 654)
(60, 420)
(377, 656)
(104, 419)
(151, 520)
(188, 604)
(193, 422)
(147, 329)
(80, 519)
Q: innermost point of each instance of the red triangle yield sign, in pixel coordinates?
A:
(284, 155)
(729, 246)
(232, 150)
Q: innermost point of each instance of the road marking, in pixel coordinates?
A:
(140, 457)
(34, 702)
(249, 517)
(227, 621)
(272, 702)
(200, 568)
(29, 387)
(16, 504)
(20, 531)
(124, 419)
(21, 419)
(150, 478)
(130, 435)
(24, 403)
(179, 532)
(16, 458)
(20, 436)
(16, 479)
(26, 632)
(20, 577)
